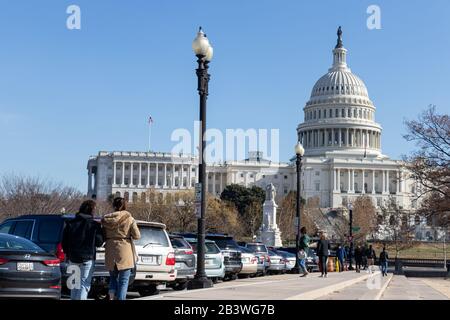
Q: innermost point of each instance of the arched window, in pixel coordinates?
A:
(117, 195)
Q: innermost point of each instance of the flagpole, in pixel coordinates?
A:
(149, 136)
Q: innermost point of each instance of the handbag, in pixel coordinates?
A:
(302, 254)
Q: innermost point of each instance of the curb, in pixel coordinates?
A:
(314, 294)
(383, 289)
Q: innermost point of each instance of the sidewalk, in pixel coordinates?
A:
(402, 288)
(280, 287)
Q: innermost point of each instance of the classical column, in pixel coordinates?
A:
(148, 174)
(114, 174)
(398, 182)
(131, 174)
(156, 175)
(334, 180)
(165, 176)
(140, 174)
(214, 183)
(180, 176)
(384, 182)
(363, 182)
(387, 182)
(339, 180)
(189, 184)
(332, 136)
(347, 141)
(349, 186)
(353, 180)
(123, 174)
(373, 181)
(173, 176)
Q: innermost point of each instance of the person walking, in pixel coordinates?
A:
(384, 261)
(81, 237)
(120, 254)
(364, 256)
(358, 258)
(342, 256)
(371, 256)
(303, 251)
(323, 249)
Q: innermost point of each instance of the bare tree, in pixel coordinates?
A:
(364, 217)
(24, 195)
(430, 164)
(286, 216)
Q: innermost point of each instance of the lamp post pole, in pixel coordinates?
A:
(350, 254)
(203, 52)
(299, 151)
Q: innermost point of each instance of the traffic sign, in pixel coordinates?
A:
(356, 229)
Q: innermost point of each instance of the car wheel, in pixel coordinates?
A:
(215, 280)
(180, 286)
(234, 276)
(148, 291)
(100, 295)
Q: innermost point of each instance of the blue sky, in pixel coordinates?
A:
(66, 94)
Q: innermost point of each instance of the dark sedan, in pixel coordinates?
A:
(27, 271)
(184, 262)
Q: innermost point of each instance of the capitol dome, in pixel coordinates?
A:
(339, 117)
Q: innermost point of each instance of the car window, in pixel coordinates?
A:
(152, 236)
(242, 249)
(23, 228)
(179, 243)
(224, 243)
(210, 248)
(6, 227)
(50, 230)
(257, 247)
(12, 243)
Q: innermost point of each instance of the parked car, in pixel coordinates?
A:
(27, 271)
(184, 261)
(289, 258)
(312, 261)
(230, 250)
(249, 263)
(156, 259)
(214, 260)
(261, 252)
(277, 263)
(46, 231)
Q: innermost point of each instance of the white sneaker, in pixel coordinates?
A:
(326, 275)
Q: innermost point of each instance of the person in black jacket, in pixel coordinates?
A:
(358, 258)
(81, 236)
(323, 248)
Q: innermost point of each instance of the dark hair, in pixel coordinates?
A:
(303, 230)
(119, 204)
(87, 207)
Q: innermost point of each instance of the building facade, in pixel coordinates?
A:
(343, 157)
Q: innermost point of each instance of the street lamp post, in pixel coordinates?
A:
(299, 152)
(204, 53)
(350, 254)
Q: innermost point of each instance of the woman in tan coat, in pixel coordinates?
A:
(120, 255)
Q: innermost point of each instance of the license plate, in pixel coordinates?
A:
(178, 265)
(209, 262)
(153, 260)
(25, 266)
(100, 256)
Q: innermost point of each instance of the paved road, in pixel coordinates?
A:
(338, 286)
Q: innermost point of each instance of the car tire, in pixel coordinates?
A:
(234, 276)
(214, 280)
(179, 286)
(148, 291)
(100, 295)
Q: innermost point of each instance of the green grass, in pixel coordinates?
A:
(416, 250)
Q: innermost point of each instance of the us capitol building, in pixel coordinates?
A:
(342, 160)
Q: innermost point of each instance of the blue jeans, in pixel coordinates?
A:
(118, 283)
(80, 292)
(302, 264)
(384, 266)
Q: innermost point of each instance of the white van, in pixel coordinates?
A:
(156, 258)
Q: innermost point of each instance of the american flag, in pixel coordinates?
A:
(150, 120)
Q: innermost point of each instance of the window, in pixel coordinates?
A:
(319, 113)
(317, 186)
(6, 227)
(336, 113)
(330, 113)
(317, 173)
(276, 176)
(349, 113)
(324, 113)
(50, 230)
(285, 177)
(343, 113)
(314, 114)
(242, 175)
(23, 228)
(109, 180)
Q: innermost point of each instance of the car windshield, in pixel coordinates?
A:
(245, 250)
(179, 243)
(273, 253)
(224, 243)
(19, 244)
(152, 236)
(286, 254)
(210, 247)
(257, 248)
